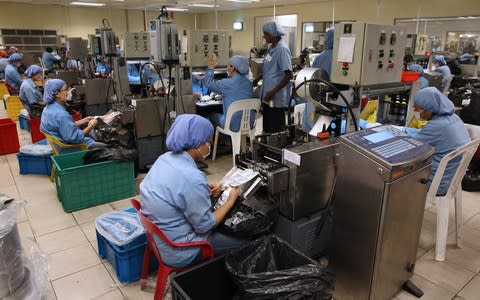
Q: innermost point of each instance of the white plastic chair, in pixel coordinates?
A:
(244, 106)
(454, 192)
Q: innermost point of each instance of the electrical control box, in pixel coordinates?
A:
(367, 54)
(107, 41)
(164, 42)
(203, 42)
(136, 44)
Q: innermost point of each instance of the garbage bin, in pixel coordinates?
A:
(270, 268)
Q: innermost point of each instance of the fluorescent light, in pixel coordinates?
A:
(243, 1)
(309, 28)
(176, 9)
(87, 3)
(201, 5)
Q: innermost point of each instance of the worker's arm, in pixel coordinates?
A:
(90, 127)
(222, 211)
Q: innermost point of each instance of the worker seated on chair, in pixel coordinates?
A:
(444, 131)
(57, 122)
(236, 87)
(176, 195)
(31, 94)
(12, 76)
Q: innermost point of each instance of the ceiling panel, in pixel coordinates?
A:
(157, 4)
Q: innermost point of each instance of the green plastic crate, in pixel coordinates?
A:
(80, 186)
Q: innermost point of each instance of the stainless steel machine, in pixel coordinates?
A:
(378, 211)
(301, 179)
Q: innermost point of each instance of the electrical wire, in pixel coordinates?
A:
(349, 107)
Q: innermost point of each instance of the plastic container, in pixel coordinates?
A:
(410, 76)
(149, 149)
(126, 260)
(35, 132)
(14, 106)
(210, 278)
(9, 136)
(80, 186)
(24, 122)
(31, 164)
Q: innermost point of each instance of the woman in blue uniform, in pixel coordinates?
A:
(236, 87)
(58, 122)
(324, 59)
(444, 131)
(421, 79)
(277, 73)
(30, 93)
(12, 77)
(441, 67)
(175, 194)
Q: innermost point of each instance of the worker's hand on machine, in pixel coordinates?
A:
(212, 61)
(93, 123)
(215, 189)
(83, 121)
(234, 193)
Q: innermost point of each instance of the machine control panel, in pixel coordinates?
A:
(389, 144)
(136, 44)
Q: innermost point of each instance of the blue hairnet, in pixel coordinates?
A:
(51, 88)
(15, 57)
(439, 59)
(329, 39)
(33, 70)
(188, 131)
(240, 63)
(416, 68)
(273, 29)
(432, 100)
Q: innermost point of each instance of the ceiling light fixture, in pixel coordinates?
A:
(176, 9)
(87, 3)
(243, 1)
(202, 5)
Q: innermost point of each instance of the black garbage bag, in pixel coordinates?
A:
(115, 132)
(269, 268)
(471, 180)
(111, 152)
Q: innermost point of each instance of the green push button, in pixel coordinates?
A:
(344, 72)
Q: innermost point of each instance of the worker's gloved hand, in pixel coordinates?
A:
(212, 61)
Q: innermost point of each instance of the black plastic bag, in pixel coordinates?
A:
(110, 152)
(269, 268)
(471, 180)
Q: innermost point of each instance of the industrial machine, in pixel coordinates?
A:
(164, 42)
(203, 42)
(136, 45)
(378, 211)
(300, 179)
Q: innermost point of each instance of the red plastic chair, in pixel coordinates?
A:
(163, 270)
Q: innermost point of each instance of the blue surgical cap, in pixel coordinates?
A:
(240, 63)
(416, 68)
(273, 29)
(439, 59)
(188, 131)
(14, 57)
(51, 88)
(33, 70)
(432, 100)
(329, 39)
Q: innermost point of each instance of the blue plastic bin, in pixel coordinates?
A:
(126, 260)
(24, 122)
(31, 164)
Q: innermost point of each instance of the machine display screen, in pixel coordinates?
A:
(379, 136)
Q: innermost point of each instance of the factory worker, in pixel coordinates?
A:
(58, 122)
(3, 63)
(12, 77)
(149, 75)
(30, 93)
(441, 67)
(444, 131)
(277, 73)
(73, 64)
(175, 194)
(324, 59)
(421, 79)
(236, 87)
(49, 59)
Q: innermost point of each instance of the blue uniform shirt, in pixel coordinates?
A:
(3, 65)
(233, 88)
(57, 121)
(30, 92)
(423, 82)
(12, 77)
(276, 63)
(48, 60)
(445, 71)
(72, 64)
(175, 195)
(324, 59)
(445, 133)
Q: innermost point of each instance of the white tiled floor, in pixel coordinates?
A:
(76, 272)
